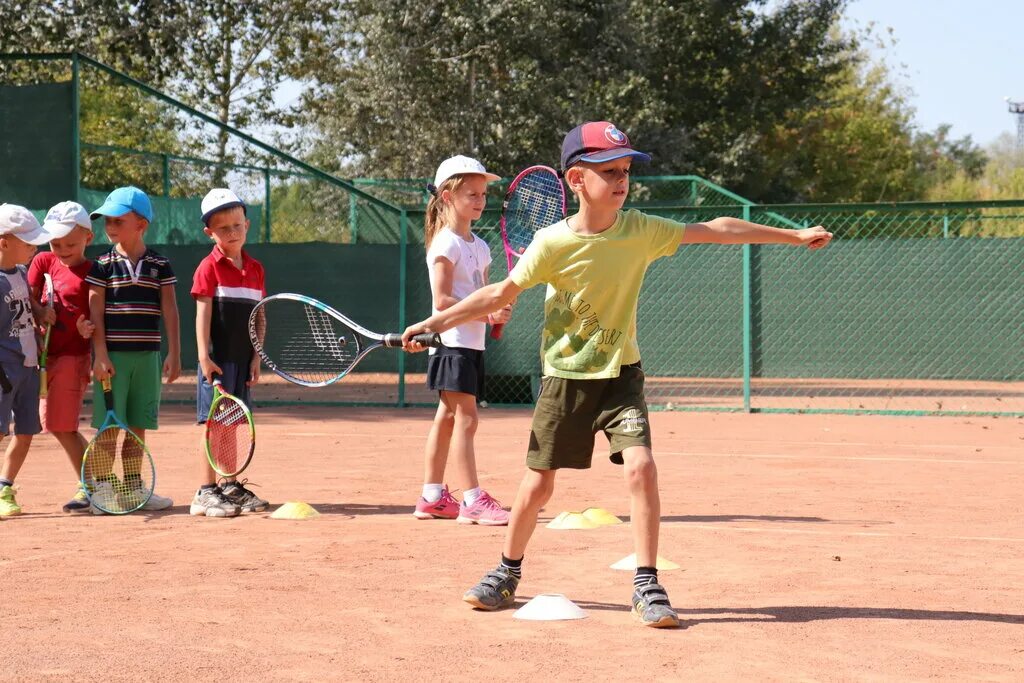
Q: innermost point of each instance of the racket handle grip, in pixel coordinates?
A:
(496, 330)
(427, 339)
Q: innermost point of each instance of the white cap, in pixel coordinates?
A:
(19, 221)
(62, 219)
(217, 199)
(461, 165)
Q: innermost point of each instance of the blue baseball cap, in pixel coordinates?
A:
(122, 200)
(597, 141)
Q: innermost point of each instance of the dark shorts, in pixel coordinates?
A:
(233, 381)
(570, 411)
(456, 369)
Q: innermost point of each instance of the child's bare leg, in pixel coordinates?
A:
(645, 508)
(463, 432)
(74, 445)
(206, 474)
(438, 442)
(534, 492)
(14, 457)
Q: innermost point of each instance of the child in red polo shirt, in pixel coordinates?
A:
(227, 286)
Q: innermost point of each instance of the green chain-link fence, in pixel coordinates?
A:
(914, 308)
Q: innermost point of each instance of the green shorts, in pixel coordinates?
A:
(136, 389)
(570, 411)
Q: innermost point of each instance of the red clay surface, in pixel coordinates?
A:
(813, 547)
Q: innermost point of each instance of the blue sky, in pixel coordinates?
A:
(959, 57)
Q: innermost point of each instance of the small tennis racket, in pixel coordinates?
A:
(535, 200)
(307, 342)
(230, 433)
(118, 473)
(48, 288)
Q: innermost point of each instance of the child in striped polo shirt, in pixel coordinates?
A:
(131, 288)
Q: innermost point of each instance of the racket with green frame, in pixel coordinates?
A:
(230, 432)
(48, 289)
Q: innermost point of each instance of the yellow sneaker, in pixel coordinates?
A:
(8, 505)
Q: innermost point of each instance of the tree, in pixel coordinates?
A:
(410, 82)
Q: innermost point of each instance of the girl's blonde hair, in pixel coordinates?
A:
(438, 211)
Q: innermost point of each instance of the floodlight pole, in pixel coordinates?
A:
(1017, 109)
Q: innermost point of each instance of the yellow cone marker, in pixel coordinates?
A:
(571, 520)
(601, 517)
(629, 563)
(295, 510)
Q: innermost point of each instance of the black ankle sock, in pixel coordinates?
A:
(6, 482)
(644, 576)
(207, 487)
(514, 567)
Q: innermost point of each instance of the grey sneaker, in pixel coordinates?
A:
(651, 606)
(496, 590)
(212, 503)
(245, 499)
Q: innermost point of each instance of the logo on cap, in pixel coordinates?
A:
(614, 135)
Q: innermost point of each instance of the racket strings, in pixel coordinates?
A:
(536, 202)
(118, 472)
(230, 436)
(306, 343)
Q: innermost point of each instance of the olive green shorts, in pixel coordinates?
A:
(570, 411)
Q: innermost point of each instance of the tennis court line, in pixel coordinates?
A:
(868, 458)
(817, 532)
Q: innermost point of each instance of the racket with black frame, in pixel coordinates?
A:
(307, 342)
(230, 439)
(535, 200)
(118, 472)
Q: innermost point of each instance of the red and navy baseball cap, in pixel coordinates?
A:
(597, 141)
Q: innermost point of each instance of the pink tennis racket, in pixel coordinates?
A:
(535, 200)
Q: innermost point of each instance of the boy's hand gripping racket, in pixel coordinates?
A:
(535, 200)
(48, 288)
(230, 432)
(118, 477)
(307, 342)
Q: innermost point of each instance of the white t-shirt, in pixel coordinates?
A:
(471, 260)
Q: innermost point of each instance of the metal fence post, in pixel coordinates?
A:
(748, 333)
(945, 226)
(403, 243)
(167, 174)
(353, 218)
(76, 135)
(266, 205)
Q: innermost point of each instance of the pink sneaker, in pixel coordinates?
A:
(485, 511)
(445, 507)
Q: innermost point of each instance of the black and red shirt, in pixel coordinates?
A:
(235, 292)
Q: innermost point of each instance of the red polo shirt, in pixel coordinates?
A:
(235, 292)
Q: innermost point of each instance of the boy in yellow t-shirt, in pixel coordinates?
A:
(594, 264)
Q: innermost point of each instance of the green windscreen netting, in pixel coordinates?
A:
(36, 155)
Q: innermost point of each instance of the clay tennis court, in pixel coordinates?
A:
(812, 547)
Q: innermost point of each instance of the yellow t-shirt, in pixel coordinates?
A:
(593, 286)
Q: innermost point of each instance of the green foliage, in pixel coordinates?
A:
(409, 83)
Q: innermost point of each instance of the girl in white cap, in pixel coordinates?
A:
(458, 262)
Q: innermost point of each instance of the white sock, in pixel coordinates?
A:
(469, 496)
(432, 492)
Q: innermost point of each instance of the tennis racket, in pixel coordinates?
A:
(307, 342)
(535, 200)
(48, 288)
(230, 433)
(118, 473)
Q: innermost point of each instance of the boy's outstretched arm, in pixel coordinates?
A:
(728, 230)
(487, 299)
